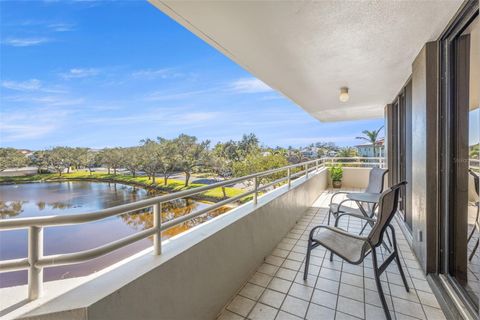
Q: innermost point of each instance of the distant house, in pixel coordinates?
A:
(310, 152)
(332, 153)
(26, 152)
(367, 150)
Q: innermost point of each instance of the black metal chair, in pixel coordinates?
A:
(376, 180)
(476, 225)
(354, 248)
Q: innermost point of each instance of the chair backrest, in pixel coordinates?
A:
(376, 180)
(475, 180)
(387, 206)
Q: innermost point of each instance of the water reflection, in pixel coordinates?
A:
(65, 198)
(170, 210)
(10, 209)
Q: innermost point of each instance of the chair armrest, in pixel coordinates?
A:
(336, 194)
(359, 216)
(341, 203)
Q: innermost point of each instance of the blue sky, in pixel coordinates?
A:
(98, 74)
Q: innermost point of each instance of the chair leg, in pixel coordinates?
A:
(474, 225)
(388, 239)
(397, 259)
(474, 250)
(329, 213)
(379, 285)
(363, 228)
(307, 259)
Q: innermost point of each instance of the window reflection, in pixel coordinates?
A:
(472, 285)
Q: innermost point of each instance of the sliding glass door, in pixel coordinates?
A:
(460, 251)
(399, 119)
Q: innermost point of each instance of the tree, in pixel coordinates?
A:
(474, 151)
(78, 157)
(295, 156)
(248, 145)
(112, 158)
(92, 158)
(222, 167)
(191, 154)
(371, 137)
(347, 152)
(40, 159)
(324, 148)
(228, 150)
(257, 163)
(12, 158)
(168, 158)
(150, 157)
(132, 159)
(58, 159)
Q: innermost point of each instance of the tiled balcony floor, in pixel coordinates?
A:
(333, 290)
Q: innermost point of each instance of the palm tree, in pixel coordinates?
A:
(347, 152)
(371, 137)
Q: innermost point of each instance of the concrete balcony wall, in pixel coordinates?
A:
(198, 271)
(354, 178)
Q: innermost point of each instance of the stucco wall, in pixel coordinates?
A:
(354, 178)
(198, 272)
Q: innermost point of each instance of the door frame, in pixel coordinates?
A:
(453, 169)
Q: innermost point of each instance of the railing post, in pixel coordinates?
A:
(289, 179)
(35, 252)
(306, 171)
(157, 222)
(255, 194)
(316, 164)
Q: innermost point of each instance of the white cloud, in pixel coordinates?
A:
(57, 101)
(76, 73)
(28, 85)
(31, 85)
(34, 124)
(308, 140)
(61, 27)
(25, 42)
(14, 132)
(249, 85)
(162, 95)
(169, 117)
(47, 100)
(194, 117)
(149, 74)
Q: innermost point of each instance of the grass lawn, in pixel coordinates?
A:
(172, 185)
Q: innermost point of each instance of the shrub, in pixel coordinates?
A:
(336, 172)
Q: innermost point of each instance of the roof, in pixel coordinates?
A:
(380, 142)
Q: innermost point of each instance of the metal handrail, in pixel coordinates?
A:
(474, 163)
(35, 262)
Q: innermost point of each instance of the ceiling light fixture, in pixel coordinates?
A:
(344, 94)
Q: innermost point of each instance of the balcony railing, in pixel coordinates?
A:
(474, 164)
(365, 162)
(36, 261)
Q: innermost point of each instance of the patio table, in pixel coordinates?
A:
(365, 197)
(370, 199)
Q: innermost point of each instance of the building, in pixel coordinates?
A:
(367, 149)
(416, 63)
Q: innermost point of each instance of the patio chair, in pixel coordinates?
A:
(375, 185)
(354, 248)
(476, 224)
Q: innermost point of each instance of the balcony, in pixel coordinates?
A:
(252, 254)
(333, 290)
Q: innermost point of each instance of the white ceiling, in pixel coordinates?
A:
(308, 50)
